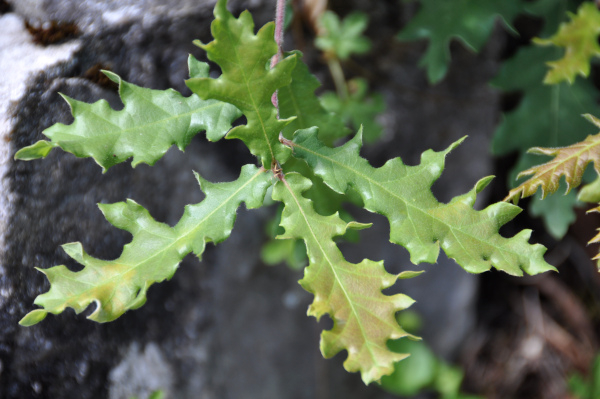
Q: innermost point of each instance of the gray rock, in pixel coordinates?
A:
(140, 373)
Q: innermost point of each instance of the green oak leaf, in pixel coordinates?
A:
(298, 99)
(149, 123)
(363, 317)
(579, 37)
(292, 252)
(556, 211)
(413, 374)
(246, 80)
(358, 109)
(154, 253)
(552, 12)
(418, 221)
(590, 192)
(343, 38)
(586, 386)
(557, 120)
(470, 21)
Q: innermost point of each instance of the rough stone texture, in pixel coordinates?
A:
(228, 327)
(141, 373)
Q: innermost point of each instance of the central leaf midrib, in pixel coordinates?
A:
(119, 130)
(250, 92)
(555, 164)
(368, 342)
(406, 203)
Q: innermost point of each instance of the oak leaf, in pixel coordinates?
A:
(246, 80)
(152, 256)
(418, 221)
(149, 123)
(363, 317)
(579, 37)
(470, 21)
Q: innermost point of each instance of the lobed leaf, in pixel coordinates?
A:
(152, 256)
(550, 12)
(246, 81)
(579, 37)
(569, 162)
(559, 105)
(596, 239)
(343, 38)
(363, 317)
(557, 123)
(298, 99)
(417, 220)
(557, 210)
(358, 109)
(471, 21)
(590, 192)
(149, 123)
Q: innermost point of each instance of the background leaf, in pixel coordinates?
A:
(298, 99)
(358, 109)
(557, 210)
(546, 116)
(470, 21)
(579, 37)
(343, 38)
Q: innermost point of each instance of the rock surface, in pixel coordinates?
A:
(228, 327)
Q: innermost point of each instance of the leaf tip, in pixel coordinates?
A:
(201, 181)
(483, 183)
(220, 11)
(33, 317)
(197, 69)
(112, 76)
(591, 118)
(457, 143)
(358, 226)
(72, 102)
(199, 43)
(75, 251)
(409, 274)
(41, 149)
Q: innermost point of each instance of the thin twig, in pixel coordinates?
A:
(279, 21)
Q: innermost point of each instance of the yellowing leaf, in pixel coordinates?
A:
(579, 37)
(418, 221)
(569, 162)
(363, 317)
(596, 238)
(558, 124)
(153, 254)
(149, 123)
(246, 80)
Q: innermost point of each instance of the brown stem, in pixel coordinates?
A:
(279, 21)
